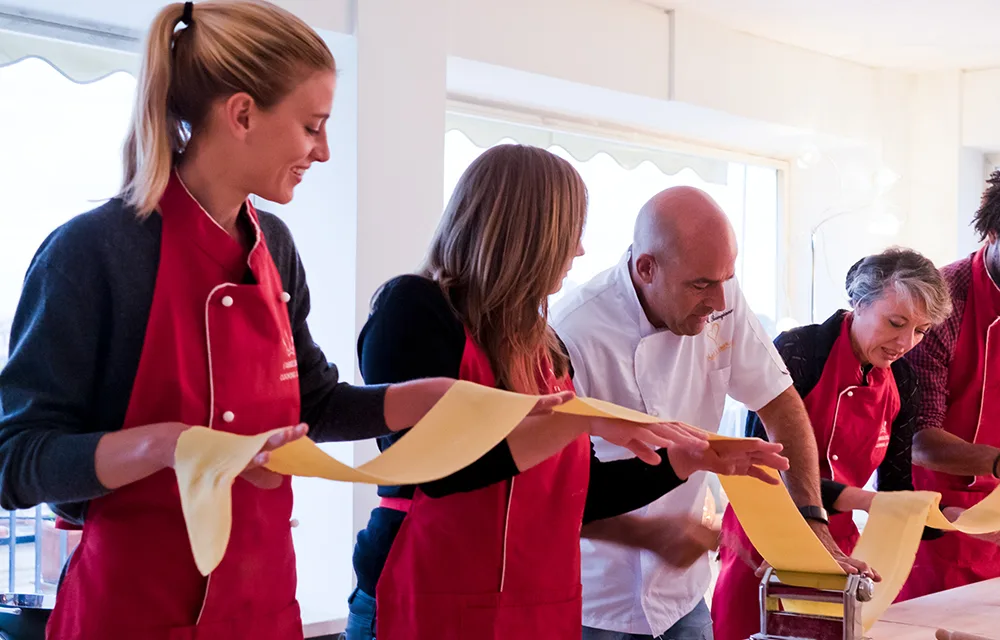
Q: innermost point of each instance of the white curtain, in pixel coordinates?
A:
(78, 61)
(485, 132)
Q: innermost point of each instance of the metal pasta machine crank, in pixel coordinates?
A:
(800, 606)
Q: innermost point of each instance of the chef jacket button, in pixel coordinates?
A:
(285, 296)
(227, 301)
(294, 522)
(835, 457)
(228, 416)
(850, 394)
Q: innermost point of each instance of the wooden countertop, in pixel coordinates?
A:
(973, 609)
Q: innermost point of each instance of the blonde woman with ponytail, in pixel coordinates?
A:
(493, 551)
(176, 304)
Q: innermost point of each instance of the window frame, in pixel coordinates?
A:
(618, 133)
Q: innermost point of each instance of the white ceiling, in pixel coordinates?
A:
(907, 34)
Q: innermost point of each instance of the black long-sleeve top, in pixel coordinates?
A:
(413, 332)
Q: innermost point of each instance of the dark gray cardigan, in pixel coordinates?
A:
(75, 345)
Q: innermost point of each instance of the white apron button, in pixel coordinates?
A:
(850, 394)
(835, 457)
(227, 301)
(285, 296)
(228, 416)
(293, 523)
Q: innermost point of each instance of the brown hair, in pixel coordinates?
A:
(512, 225)
(246, 46)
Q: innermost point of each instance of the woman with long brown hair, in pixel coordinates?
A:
(493, 550)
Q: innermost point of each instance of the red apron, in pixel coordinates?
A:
(851, 422)
(216, 354)
(973, 414)
(497, 563)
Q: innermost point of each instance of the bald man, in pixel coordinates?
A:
(667, 331)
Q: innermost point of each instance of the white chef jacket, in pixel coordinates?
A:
(618, 356)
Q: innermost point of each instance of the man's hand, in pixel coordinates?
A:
(848, 564)
(743, 457)
(679, 541)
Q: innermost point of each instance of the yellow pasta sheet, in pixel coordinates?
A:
(471, 419)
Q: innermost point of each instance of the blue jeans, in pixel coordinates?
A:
(360, 617)
(696, 625)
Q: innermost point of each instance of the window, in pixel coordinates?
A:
(620, 178)
(61, 156)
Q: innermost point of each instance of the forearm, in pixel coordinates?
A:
(854, 499)
(786, 422)
(127, 456)
(407, 402)
(621, 529)
(46, 465)
(536, 439)
(938, 450)
(619, 486)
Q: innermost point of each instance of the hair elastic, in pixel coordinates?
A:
(186, 17)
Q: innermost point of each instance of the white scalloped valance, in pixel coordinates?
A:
(78, 62)
(486, 132)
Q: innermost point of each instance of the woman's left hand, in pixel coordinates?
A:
(742, 457)
(546, 404)
(644, 439)
(255, 473)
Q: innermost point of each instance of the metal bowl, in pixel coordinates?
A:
(23, 616)
(27, 600)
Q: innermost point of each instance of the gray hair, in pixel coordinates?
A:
(907, 272)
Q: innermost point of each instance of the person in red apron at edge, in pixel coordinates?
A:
(862, 399)
(956, 451)
(493, 551)
(176, 303)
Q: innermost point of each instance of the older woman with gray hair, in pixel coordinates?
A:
(862, 400)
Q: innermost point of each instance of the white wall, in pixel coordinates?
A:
(737, 73)
(973, 171)
(622, 46)
(323, 221)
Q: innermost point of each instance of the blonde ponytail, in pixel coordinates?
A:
(154, 135)
(249, 46)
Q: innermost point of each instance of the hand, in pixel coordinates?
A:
(644, 439)
(546, 404)
(848, 564)
(255, 473)
(679, 541)
(952, 514)
(742, 457)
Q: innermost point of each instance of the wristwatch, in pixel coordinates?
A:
(812, 512)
